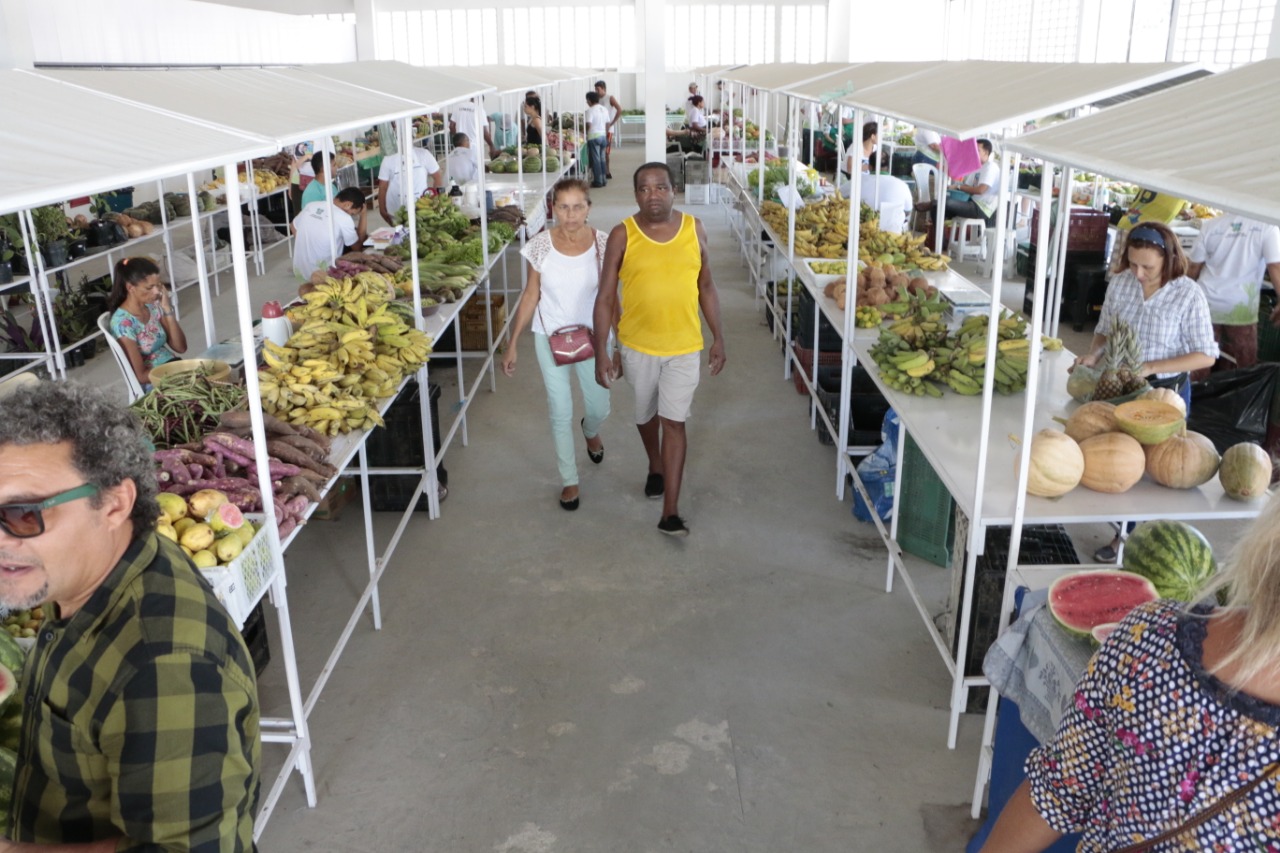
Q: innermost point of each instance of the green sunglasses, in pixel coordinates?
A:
(24, 521)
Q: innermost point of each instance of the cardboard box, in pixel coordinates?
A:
(344, 491)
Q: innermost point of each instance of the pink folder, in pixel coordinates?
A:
(962, 156)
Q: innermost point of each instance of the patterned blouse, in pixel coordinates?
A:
(1154, 740)
(149, 336)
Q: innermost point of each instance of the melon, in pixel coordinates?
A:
(226, 518)
(1084, 600)
(1183, 461)
(1245, 471)
(1113, 462)
(12, 656)
(1100, 633)
(1173, 555)
(1082, 381)
(1166, 395)
(532, 164)
(8, 684)
(1056, 464)
(1149, 421)
(10, 725)
(553, 164)
(8, 772)
(1092, 419)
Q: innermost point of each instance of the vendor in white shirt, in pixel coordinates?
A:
(696, 120)
(983, 188)
(323, 232)
(870, 141)
(461, 162)
(887, 195)
(928, 147)
(1228, 261)
(426, 172)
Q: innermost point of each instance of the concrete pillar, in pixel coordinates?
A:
(839, 32)
(652, 15)
(16, 49)
(366, 30)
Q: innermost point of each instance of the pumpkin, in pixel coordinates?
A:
(1113, 462)
(1092, 419)
(1056, 464)
(1183, 461)
(1166, 395)
(1245, 472)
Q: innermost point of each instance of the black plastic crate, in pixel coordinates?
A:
(254, 632)
(1042, 545)
(399, 444)
(828, 335)
(866, 410)
(782, 306)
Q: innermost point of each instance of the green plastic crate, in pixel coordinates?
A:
(926, 512)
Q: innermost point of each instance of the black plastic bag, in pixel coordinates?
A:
(1234, 406)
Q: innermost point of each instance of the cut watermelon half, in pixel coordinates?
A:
(1084, 600)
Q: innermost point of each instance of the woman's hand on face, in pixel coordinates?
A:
(165, 305)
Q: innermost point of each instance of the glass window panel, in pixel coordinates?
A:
(787, 24)
(383, 47)
(509, 36)
(521, 54)
(487, 25)
(413, 36)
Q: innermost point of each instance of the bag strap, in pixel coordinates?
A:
(1216, 809)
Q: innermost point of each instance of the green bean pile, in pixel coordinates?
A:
(183, 407)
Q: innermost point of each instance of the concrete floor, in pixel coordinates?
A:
(551, 682)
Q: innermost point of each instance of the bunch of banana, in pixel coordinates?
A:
(905, 250)
(900, 380)
(1051, 344)
(351, 349)
(264, 180)
(829, 267)
(1011, 365)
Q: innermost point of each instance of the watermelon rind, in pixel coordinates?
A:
(1082, 601)
(1100, 633)
(1173, 555)
(12, 656)
(8, 772)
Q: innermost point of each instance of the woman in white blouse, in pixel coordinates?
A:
(564, 275)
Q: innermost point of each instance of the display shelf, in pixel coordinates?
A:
(18, 281)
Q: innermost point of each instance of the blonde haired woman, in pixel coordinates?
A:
(1174, 740)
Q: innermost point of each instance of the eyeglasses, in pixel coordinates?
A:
(24, 521)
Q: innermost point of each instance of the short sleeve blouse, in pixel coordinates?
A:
(149, 336)
(568, 283)
(1153, 740)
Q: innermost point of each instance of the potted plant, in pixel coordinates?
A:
(101, 230)
(51, 233)
(16, 338)
(6, 263)
(12, 247)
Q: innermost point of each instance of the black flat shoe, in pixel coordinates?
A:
(654, 486)
(596, 456)
(568, 505)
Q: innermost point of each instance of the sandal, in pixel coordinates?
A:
(596, 456)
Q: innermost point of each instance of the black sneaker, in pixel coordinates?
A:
(654, 486)
(673, 525)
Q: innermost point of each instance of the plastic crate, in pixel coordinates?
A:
(697, 193)
(926, 512)
(238, 583)
(254, 632)
(1087, 231)
(1268, 335)
(1042, 545)
(805, 356)
(829, 339)
(867, 406)
(399, 444)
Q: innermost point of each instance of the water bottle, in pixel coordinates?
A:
(275, 325)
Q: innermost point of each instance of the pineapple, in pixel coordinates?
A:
(1133, 370)
(1109, 384)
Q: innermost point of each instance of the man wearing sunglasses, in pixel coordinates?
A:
(140, 710)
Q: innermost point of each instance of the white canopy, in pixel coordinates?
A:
(65, 142)
(507, 79)
(778, 76)
(411, 82)
(854, 78)
(963, 99)
(715, 70)
(285, 105)
(1213, 140)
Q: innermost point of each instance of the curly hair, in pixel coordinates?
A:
(108, 442)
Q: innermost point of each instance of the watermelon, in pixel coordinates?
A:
(1101, 632)
(8, 773)
(1173, 555)
(10, 725)
(8, 684)
(12, 655)
(1084, 600)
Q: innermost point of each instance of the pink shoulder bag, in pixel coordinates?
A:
(572, 344)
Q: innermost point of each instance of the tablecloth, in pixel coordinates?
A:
(1036, 664)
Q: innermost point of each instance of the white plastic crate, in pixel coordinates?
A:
(237, 584)
(697, 193)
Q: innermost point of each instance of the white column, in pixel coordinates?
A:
(1273, 47)
(654, 13)
(16, 49)
(366, 30)
(839, 32)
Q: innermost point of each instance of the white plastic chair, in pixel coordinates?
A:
(923, 173)
(130, 378)
(965, 242)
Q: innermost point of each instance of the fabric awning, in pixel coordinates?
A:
(1213, 140)
(779, 76)
(411, 82)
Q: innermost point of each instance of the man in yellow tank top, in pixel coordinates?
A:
(656, 277)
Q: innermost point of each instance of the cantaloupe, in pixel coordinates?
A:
(1166, 395)
(1113, 462)
(1149, 421)
(1092, 419)
(1183, 461)
(1245, 472)
(1057, 464)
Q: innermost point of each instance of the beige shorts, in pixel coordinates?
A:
(664, 385)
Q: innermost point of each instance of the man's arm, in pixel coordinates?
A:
(382, 200)
(617, 111)
(709, 302)
(606, 307)
(1194, 268)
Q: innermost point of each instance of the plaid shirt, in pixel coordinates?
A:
(141, 716)
(1172, 323)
